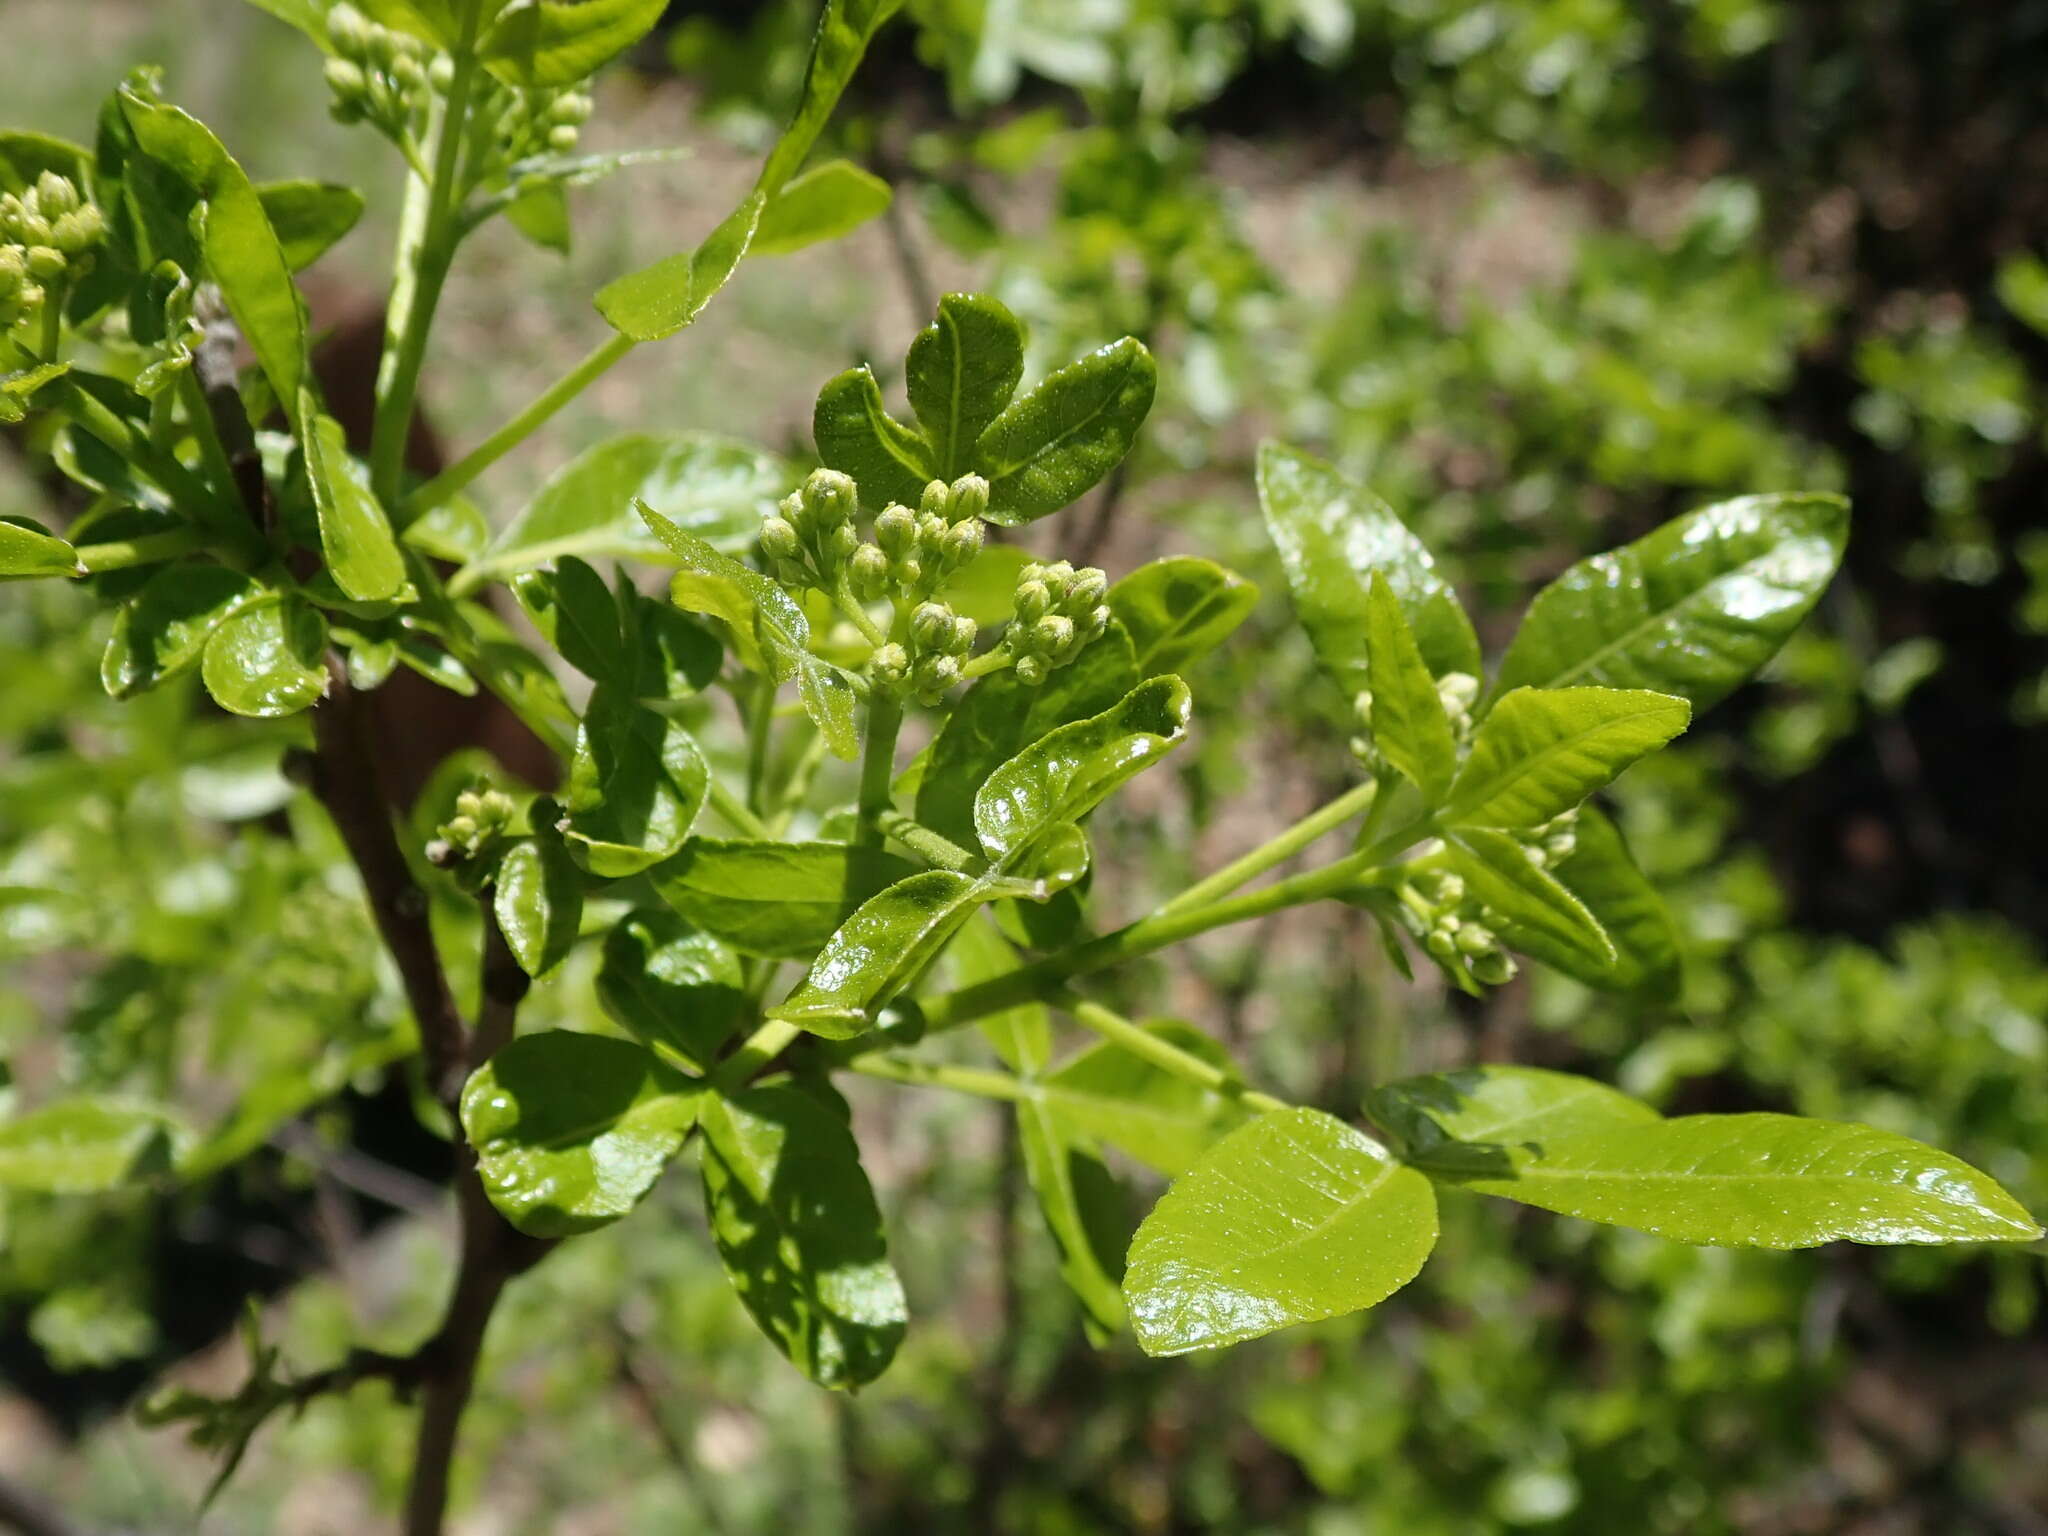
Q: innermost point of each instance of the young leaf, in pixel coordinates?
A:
(844, 32)
(1163, 1120)
(1084, 1207)
(161, 631)
(26, 551)
(25, 155)
(1601, 873)
(309, 217)
(539, 901)
(827, 201)
(635, 785)
(797, 1226)
(1021, 1036)
(1333, 535)
(670, 984)
(881, 949)
(677, 655)
(1747, 1181)
(574, 611)
(83, 1145)
(355, 537)
(541, 43)
(783, 900)
(659, 300)
(1691, 609)
(1068, 772)
(1450, 1121)
(309, 16)
(962, 370)
(856, 435)
(1501, 875)
(1543, 750)
(1409, 724)
(1292, 1218)
(268, 659)
(571, 1131)
(1048, 449)
(714, 487)
(1179, 609)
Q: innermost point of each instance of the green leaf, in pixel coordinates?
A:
(856, 435)
(1457, 1121)
(1179, 609)
(1543, 750)
(797, 1226)
(635, 785)
(269, 659)
(539, 901)
(309, 16)
(827, 201)
(672, 985)
(1069, 771)
(18, 388)
(1021, 1036)
(881, 948)
(1746, 1181)
(1084, 1207)
(1409, 724)
(28, 551)
(1160, 1118)
(540, 211)
(539, 43)
(1605, 879)
(1048, 449)
(575, 613)
(1333, 535)
(715, 487)
(571, 1131)
(83, 1145)
(659, 300)
(678, 656)
(355, 536)
(162, 630)
(309, 217)
(844, 31)
(1498, 870)
(25, 155)
(1290, 1219)
(962, 370)
(1691, 609)
(782, 900)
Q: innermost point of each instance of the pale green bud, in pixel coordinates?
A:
(891, 662)
(1493, 969)
(1475, 939)
(869, 573)
(1095, 621)
(931, 626)
(462, 830)
(80, 230)
(56, 196)
(1090, 586)
(970, 497)
(571, 109)
(346, 79)
(962, 543)
(935, 674)
(13, 270)
(1052, 635)
(931, 534)
(1033, 602)
(896, 530)
(831, 497)
(910, 571)
(441, 73)
(1030, 670)
(1459, 692)
(937, 500)
(778, 538)
(469, 803)
(45, 263)
(839, 546)
(562, 138)
(408, 72)
(962, 639)
(349, 30)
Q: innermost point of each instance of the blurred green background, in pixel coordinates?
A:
(1543, 273)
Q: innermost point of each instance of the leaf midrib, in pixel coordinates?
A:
(1461, 806)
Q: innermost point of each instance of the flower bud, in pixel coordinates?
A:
(572, 108)
(961, 641)
(1475, 939)
(891, 662)
(349, 30)
(831, 497)
(840, 545)
(1033, 602)
(1059, 576)
(1095, 621)
(80, 230)
(778, 538)
(931, 534)
(910, 572)
(563, 139)
(935, 674)
(869, 573)
(1459, 692)
(56, 195)
(1090, 587)
(441, 73)
(408, 72)
(896, 530)
(970, 497)
(469, 803)
(13, 270)
(1052, 635)
(937, 500)
(345, 79)
(1493, 969)
(45, 263)
(1030, 670)
(931, 626)
(962, 543)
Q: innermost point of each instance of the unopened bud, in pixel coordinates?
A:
(891, 662)
(80, 230)
(931, 533)
(970, 497)
(469, 803)
(1493, 969)
(910, 571)
(843, 542)
(1030, 670)
(778, 539)
(441, 73)
(1033, 602)
(572, 108)
(408, 72)
(1475, 939)
(962, 543)
(931, 626)
(935, 674)
(56, 195)
(896, 530)
(831, 497)
(345, 79)
(1095, 621)
(937, 500)
(563, 139)
(1052, 635)
(961, 641)
(1090, 586)
(45, 263)
(1459, 692)
(349, 30)
(869, 572)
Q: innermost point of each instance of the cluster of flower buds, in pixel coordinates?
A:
(481, 817)
(47, 233)
(915, 552)
(810, 539)
(380, 76)
(940, 642)
(532, 122)
(1552, 843)
(1458, 691)
(1056, 610)
(1456, 929)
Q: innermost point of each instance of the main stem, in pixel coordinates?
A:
(1278, 851)
(877, 764)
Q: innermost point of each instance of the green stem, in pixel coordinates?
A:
(760, 736)
(928, 845)
(191, 494)
(53, 320)
(987, 662)
(798, 786)
(399, 389)
(940, 1074)
(516, 431)
(734, 810)
(843, 600)
(212, 453)
(761, 1047)
(120, 554)
(877, 765)
(1278, 851)
(1162, 1053)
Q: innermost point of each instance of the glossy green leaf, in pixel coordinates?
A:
(635, 785)
(1452, 1121)
(1084, 1208)
(1163, 1120)
(1605, 879)
(1692, 609)
(539, 900)
(539, 43)
(1500, 874)
(309, 217)
(268, 659)
(540, 212)
(825, 202)
(30, 552)
(309, 16)
(714, 487)
(1543, 750)
(856, 435)
(571, 1131)
(1053, 445)
(356, 541)
(162, 630)
(671, 984)
(881, 948)
(1292, 1218)
(18, 389)
(961, 372)
(797, 1226)
(575, 613)
(25, 155)
(1333, 535)
(659, 300)
(1069, 771)
(83, 1145)
(677, 655)
(1409, 724)
(778, 899)
(1179, 609)
(1021, 1036)
(845, 29)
